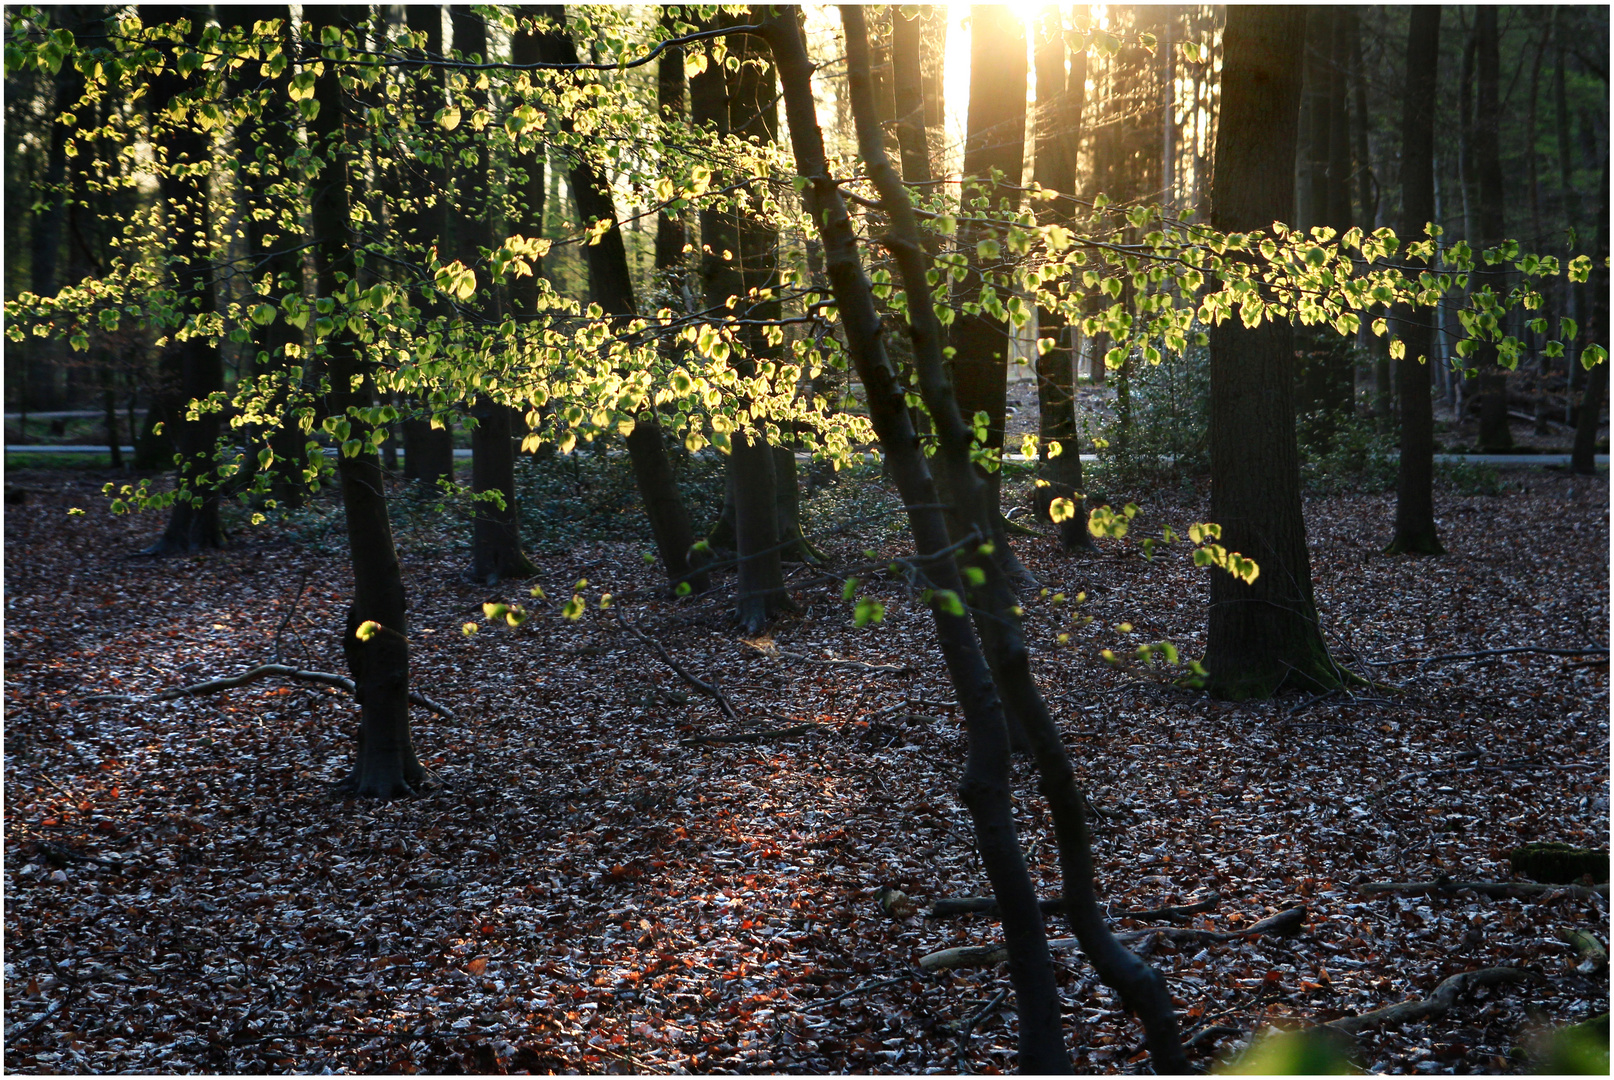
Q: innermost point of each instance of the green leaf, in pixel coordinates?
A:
(367, 630)
(867, 611)
(849, 590)
(947, 600)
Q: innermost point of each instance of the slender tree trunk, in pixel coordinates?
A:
(194, 523)
(908, 80)
(985, 786)
(1262, 635)
(1415, 497)
(611, 286)
(385, 765)
(1141, 988)
(1494, 432)
(1576, 298)
(1058, 134)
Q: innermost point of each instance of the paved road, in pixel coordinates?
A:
(1501, 461)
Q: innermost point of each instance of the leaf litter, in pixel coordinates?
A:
(580, 892)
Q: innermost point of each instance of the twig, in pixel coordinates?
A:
(19, 1030)
(1427, 660)
(864, 989)
(709, 689)
(967, 1030)
(290, 611)
(986, 905)
(264, 671)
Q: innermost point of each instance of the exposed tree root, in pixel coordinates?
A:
(1425, 661)
(1436, 1004)
(1285, 922)
(264, 671)
(1493, 889)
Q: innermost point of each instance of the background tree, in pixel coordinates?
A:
(1262, 634)
(1415, 498)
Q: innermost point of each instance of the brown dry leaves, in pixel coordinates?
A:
(581, 893)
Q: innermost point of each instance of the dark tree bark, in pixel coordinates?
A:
(194, 523)
(428, 450)
(1494, 432)
(995, 139)
(1584, 459)
(1263, 635)
(611, 286)
(985, 786)
(1415, 498)
(385, 764)
(268, 142)
(1058, 135)
(1141, 988)
(1577, 298)
(1339, 126)
(1315, 115)
(908, 82)
(496, 525)
(671, 236)
(933, 67)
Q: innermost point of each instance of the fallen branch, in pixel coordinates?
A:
(1436, 1004)
(264, 671)
(709, 689)
(768, 735)
(1590, 949)
(858, 664)
(986, 905)
(967, 1029)
(1285, 922)
(1427, 660)
(1493, 889)
(864, 989)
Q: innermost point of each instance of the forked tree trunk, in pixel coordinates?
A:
(611, 286)
(193, 523)
(1060, 104)
(1415, 496)
(385, 765)
(984, 787)
(1262, 635)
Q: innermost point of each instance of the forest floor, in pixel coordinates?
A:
(582, 890)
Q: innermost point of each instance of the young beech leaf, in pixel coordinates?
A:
(468, 629)
(573, 609)
(516, 616)
(495, 611)
(867, 611)
(367, 630)
(1062, 509)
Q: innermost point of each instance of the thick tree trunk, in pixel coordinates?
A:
(611, 286)
(995, 139)
(908, 81)
(1494, 433)
(194, 522)
(1262, 635)
(385, 765)
(1060, 104)
(1415, 499)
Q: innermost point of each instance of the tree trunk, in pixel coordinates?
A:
(908, 81)
(1494, 433)
(385, 765)
(271, 137)
(1576, 299)
(1141, 988)
(1262, 635)
(995, 140)
(611, 286)
(496, 523)
(1058, 135)
(1584, 459)
(985, 786)
(194, 523)
(1415, 499)
(428, 450)
(1312, 208)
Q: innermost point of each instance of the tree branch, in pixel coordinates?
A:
(264, 671)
